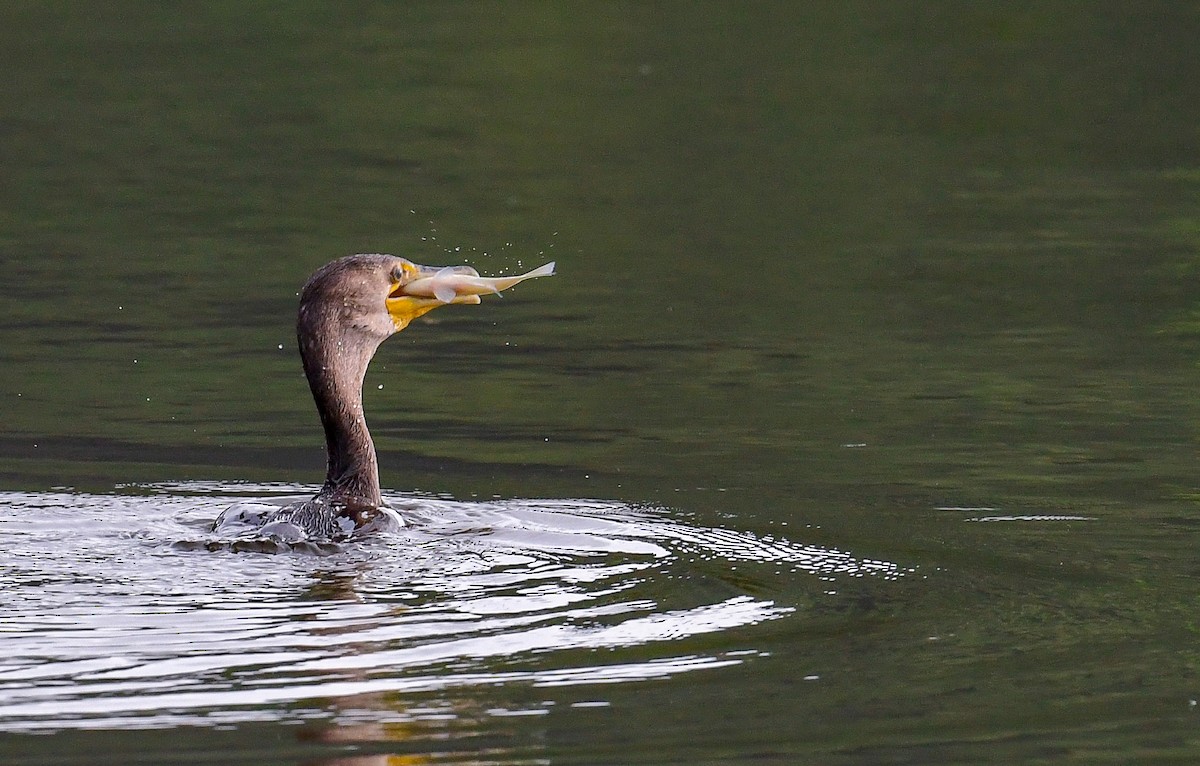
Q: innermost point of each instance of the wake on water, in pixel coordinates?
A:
(115, 613)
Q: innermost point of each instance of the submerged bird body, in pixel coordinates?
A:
(347, 309)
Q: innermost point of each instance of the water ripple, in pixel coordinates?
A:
(106, 624)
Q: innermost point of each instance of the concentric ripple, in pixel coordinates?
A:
(106, 623)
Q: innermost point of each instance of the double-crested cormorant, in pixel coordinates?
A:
(347, 308)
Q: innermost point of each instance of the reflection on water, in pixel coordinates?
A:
(108, 624)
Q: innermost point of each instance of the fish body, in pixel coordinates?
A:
(455, 281)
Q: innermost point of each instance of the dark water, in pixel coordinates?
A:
(858, 426)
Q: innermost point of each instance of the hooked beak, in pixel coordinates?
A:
(404, 308)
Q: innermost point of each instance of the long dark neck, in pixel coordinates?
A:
(335, 366)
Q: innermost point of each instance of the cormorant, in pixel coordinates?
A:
(347, 308)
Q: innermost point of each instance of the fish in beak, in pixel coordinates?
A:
(417, 290)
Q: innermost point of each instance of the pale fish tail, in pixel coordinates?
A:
(541, 271)
(503, 283)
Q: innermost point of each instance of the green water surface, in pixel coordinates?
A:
(919, 281)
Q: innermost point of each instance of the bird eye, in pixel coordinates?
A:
(398, 274)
